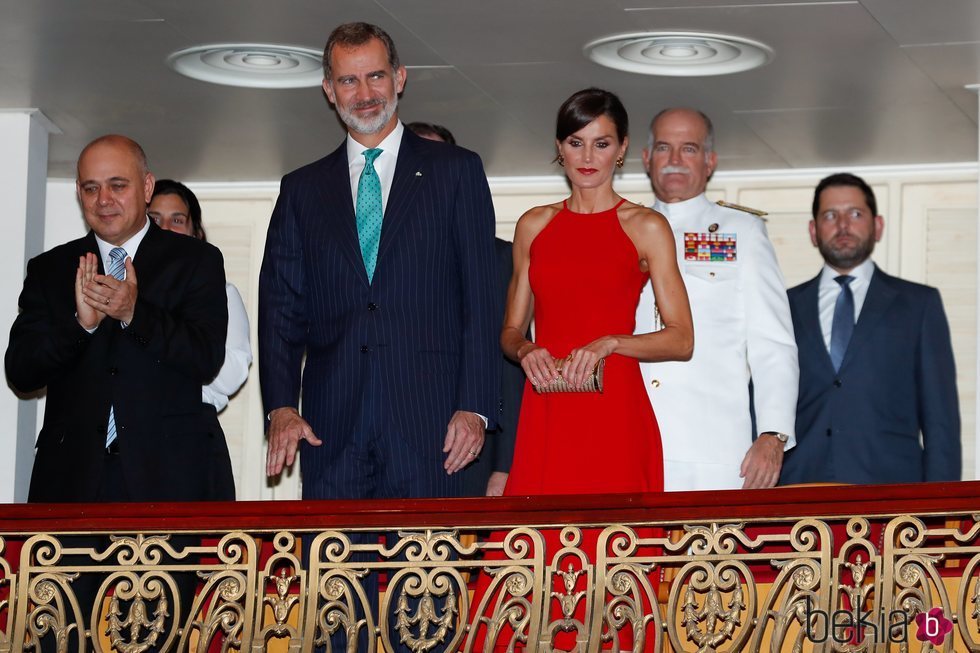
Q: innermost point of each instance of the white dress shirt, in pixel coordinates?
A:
(384, 165)
(130, 246)
(238, 354)
(830, 289)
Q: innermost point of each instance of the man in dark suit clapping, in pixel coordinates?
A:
(123, 326)
(877, 401)
(379, 269)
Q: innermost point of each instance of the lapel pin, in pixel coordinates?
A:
(713, 227)
(418, 173)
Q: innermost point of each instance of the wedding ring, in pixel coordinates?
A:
(473, 453)
(107, 302)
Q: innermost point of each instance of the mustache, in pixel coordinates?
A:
(367, 104)
(675, 170)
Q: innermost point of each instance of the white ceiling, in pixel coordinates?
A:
(869, 82)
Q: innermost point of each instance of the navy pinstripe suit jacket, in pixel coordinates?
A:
(398, 355)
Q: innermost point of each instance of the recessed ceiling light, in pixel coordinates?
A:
(251, 65)
(679, 54)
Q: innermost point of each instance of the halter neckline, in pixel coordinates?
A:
(564, 205)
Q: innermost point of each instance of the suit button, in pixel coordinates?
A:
(365, 349)
(113, 371)
(372, 306)
(837, 383)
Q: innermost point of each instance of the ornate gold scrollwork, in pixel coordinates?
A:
(8, 593)
(766, 586)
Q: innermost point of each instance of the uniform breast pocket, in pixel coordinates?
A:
(713, 274)
(713, 289)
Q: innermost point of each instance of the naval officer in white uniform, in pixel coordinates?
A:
(742, 326)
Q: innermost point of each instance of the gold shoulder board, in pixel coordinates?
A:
(739, 207)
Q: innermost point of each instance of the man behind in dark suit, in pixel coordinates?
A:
(487, 475)
(138, 348)
(401, 356)
(877, 401)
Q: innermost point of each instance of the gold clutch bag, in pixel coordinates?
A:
(593, 382)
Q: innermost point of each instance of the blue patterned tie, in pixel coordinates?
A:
(843, 325)
(117, 269)
(368, 211)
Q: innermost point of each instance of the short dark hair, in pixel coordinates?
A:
(585, 106)
(430, 129)
(351, 35)
(171, 187)
(845, 179)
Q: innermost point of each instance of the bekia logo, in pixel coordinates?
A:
(858, 626)
(932, 626)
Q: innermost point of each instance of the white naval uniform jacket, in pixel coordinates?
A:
(742, 329)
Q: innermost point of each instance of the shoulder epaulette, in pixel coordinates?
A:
(739, 207)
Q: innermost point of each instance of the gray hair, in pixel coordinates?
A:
(709, 128)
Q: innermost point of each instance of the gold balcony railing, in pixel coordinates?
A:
(888, 568)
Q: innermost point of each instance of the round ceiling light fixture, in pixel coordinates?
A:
(251, 65)
(679, 54)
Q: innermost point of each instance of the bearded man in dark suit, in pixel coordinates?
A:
(877, 401)
(378, 269)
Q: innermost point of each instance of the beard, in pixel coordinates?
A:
(368, 125)
(846, 257)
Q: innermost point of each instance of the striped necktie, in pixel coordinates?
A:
(117, 269)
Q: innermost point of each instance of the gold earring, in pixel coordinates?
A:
(561, 160)
(620, 162)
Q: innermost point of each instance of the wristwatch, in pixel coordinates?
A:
(782, 437)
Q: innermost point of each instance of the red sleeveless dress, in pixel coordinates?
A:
(586, 279)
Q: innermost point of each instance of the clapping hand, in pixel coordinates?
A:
(89, 315)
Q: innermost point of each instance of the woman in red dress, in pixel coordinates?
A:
(579, 267)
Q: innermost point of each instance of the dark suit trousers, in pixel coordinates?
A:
(373, 467)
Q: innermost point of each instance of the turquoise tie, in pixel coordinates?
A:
(117, 269)
(368, 211)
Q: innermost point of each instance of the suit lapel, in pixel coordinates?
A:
(335, 197)
(149, 250)
(876, 302)
(404, 185)
(811, 340)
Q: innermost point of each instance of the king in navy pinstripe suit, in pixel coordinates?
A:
(399, 368)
